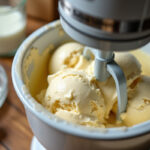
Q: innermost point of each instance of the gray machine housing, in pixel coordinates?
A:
(113, 25)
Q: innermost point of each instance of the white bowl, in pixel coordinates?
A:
(57, 134)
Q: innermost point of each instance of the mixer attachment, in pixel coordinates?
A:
(105, 66)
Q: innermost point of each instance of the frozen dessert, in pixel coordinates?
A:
(68, 56)
(143, 59)
(74, 94)
(130, 65)
(138, 109)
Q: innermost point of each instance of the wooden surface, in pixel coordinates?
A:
(15, 133)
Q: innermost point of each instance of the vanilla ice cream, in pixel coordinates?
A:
(73, 95)
(68, 55)
(138, 109)
(130, 66)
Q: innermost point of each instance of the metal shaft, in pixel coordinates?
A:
(100, 68)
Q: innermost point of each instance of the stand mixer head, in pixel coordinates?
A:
(108, 26)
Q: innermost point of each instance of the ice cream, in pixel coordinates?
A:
(130, 66)
(143, 58)
(73, 94)
(68, 55)
(138, 109)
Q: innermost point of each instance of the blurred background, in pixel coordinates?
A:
(15, 133)
(40, 12)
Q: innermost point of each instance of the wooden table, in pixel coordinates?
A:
(15, 133)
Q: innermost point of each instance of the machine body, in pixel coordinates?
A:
(112, 25)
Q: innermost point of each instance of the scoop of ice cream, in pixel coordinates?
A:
(68, 55)
(138, 109)
(131, 68)
(73, 95)
(143, 58)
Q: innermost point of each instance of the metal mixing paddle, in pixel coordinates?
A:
(106, 66)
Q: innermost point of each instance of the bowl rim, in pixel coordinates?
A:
(116, 133)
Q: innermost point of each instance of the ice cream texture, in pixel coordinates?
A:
(138, 109)
(74, 94)
(68, 56)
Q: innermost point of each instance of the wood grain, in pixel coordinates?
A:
(15, 133)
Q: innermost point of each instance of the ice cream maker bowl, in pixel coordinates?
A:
(29, 74)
